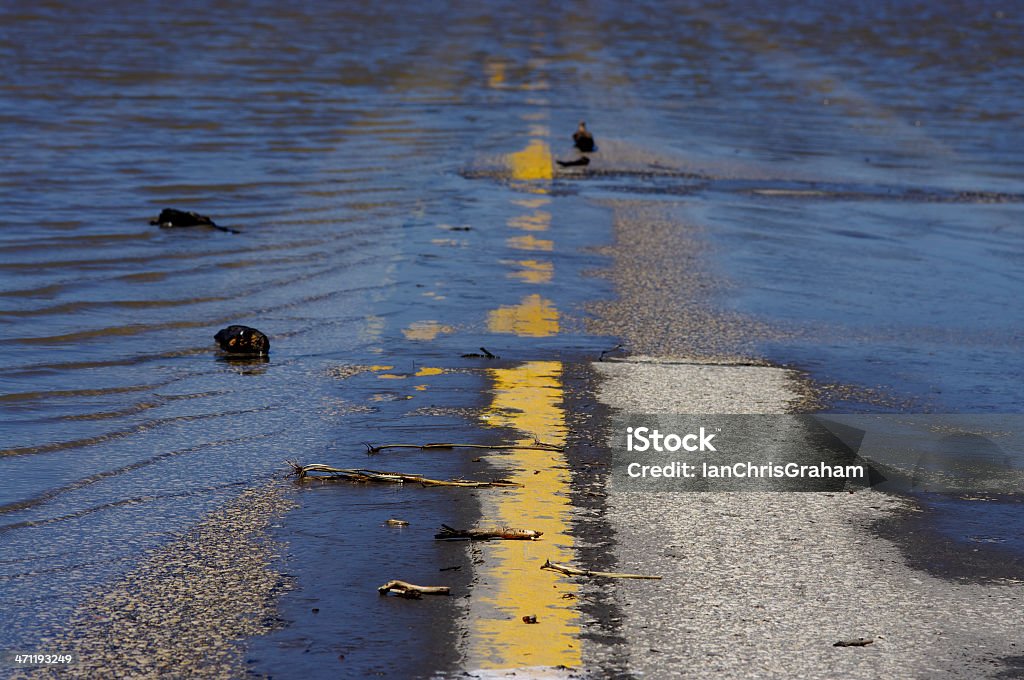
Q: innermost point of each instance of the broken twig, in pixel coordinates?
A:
(328, 473)
(506, 533)
(859, 642)
(573, 571)
(485, 355)
(411, 591)
(536, 446)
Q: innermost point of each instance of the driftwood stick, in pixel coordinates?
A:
(327, 473)
(410, 590)
(536, 446)
(573, 571)
(505, 533)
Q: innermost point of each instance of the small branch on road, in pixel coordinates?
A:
(411, 591)
(504, 533)
(326, 473)
(573, 571)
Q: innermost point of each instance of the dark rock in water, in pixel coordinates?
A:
(170, 217)
(582, 138)
(582, 160)
(242, 340)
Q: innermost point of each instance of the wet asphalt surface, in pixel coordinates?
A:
(835, 190)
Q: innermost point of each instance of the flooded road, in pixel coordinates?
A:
(854, 178)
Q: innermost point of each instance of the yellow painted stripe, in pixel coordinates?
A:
(531, 202)
(534, 271)
(538, 220)
(534, 317)
(532, 163)
(511, 584)
(530, 242)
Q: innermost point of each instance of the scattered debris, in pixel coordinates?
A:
(505, 533)
(326, 473)
(411, 591)
(529, 618)
(396, 523)
(857, 642)
(582, 160)
(536, 446)
(170, 218)
(485, 355)
(573, 571)
(242, 340)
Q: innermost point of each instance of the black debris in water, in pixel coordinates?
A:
(242, 340)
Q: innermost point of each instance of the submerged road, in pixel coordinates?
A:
(830, 188)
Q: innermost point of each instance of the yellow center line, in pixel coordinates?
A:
(511, 584)
(530, 242)
(532, 163)
(537, 202)
(533, 271)
(534, 317)
(528, 399)
(495, 74)
(538, 220)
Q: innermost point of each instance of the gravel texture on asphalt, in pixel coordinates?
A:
(184, 609)
(763, 584)
(666, 290)
(758, 584)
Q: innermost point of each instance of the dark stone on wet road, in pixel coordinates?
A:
(582, 139)
(582, 160)
(242, 340)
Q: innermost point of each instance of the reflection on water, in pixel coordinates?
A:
(533, 271)
(425, 330)
(338, 139)
(533, 317)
